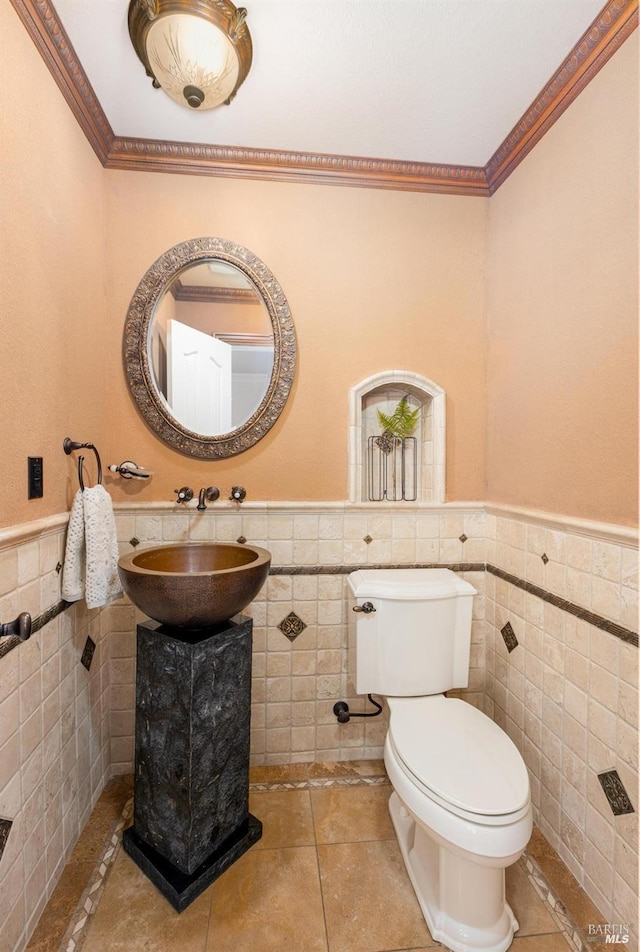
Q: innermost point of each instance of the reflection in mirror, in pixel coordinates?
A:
(211, 348)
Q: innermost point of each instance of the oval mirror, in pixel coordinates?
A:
(209, 348)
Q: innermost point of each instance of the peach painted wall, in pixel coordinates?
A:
(375, 280)
(52, 282)
(563, 311)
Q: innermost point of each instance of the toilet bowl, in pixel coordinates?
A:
(462, 813)
(461, 804)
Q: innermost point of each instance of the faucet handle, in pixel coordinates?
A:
(238, 493)
(185, 494)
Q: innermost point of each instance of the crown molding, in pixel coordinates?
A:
(613, 25)
(153, 155)
(51, 40)
(617, 20)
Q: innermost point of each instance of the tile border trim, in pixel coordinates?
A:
(6, 645)
(598, 621)
(316, 783)
(557, 909)
(341, 569)
(603, 531)
(26, 531)
(81, 918)
(609, 532)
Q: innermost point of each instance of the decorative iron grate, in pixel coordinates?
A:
(392, 468)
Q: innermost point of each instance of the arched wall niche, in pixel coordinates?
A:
(383, 391)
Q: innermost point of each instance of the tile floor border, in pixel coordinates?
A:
(82, 917)
(76, 933)
(556, 908)
(316, 783)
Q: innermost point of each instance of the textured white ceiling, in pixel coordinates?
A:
(437, 81)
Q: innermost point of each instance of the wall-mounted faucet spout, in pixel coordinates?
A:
(210, 494)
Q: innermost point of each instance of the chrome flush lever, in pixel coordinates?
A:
(366, 607)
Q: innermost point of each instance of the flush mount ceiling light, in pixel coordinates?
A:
(198, 51)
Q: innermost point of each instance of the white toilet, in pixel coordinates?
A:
(461, 804)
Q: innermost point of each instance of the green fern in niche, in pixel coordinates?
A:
(402, 421)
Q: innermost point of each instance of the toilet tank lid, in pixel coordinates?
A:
(408, 584)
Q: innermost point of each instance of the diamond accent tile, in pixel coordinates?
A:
(509, 636)
(544, 557)
(463, 537)
(58, 568)
(87, 654)
(134, 541)
(368, 539)
(5, 829)
(292, 626)
(615, 792)
(241, 540)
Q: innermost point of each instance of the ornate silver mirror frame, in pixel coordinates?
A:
(146, 395)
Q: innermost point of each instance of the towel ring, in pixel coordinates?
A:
(80, 472)
(69, 446)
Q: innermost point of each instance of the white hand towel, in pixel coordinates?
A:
(74, 558)
(92, 550)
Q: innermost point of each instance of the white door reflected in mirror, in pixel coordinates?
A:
(198, 379)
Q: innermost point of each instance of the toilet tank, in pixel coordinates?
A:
(417, 641)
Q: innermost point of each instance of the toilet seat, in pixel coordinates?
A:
(459, 758)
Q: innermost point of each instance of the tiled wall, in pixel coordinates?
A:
(568, 693)
(298, 679)
(54, 741)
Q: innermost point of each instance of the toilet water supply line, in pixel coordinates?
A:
(342, 712)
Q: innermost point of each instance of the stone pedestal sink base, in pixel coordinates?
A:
(178, 888)
(191, 796)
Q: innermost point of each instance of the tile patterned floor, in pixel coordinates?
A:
(327, 876)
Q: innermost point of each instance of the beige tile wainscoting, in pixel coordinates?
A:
(55, 755)
(566, 694)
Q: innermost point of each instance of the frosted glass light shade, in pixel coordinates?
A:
(189, 52)
(198, 51)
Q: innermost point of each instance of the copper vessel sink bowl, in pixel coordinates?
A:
(194, 584)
